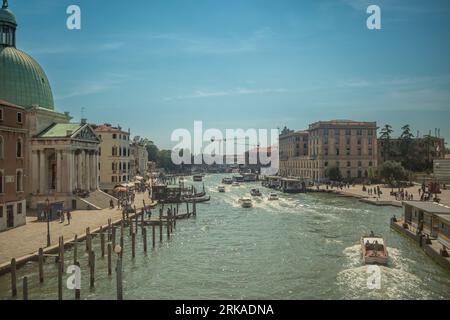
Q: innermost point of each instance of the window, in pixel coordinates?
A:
(19, 182)
(370, 152)
(19, 117)
(337, 151)
(19, 208)
(326, 164)
(370, 141)
(1, 114)
(370, 164)
(359, 164)
(359, 151)
(359, 140)
(348, 152)
(1, 211)
(349, 164)
(1, 147)
(114, 136)
(114, 151)
(349, 174)
(370, 132)
(2, 182)
(348, 141)
(19, 148)
(326, 151)
(348, 132)
(359, 132)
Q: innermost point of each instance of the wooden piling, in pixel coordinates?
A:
(130, 221)
(119, 279)
(88, 232)
(41, 265)
(75, 250)
(92, 269)
(13, 277)
(60, 281)
(113, 237)
(153, 236)
(89, 243)
(77, 290)
(144, 238)
(102, 242)
(109, 229)
(168, 228)
(25, 288)
(133, 245)
(160, 231)
(121, 245)
(109, 258)
(61, 252)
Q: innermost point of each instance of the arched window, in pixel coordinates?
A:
(19, 148)
(1, 147)
(19, 182)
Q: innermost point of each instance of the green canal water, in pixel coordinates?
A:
(303, 246)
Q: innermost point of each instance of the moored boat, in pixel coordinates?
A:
(197, 177)
(374, 249)
(221, 188)
(197, 199)
(246, 202)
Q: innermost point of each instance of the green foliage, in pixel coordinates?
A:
(392, 171)
(333, 173)
(385, 137)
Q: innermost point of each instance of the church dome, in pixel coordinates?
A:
(22, 80)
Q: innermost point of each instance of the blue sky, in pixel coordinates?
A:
(155, 66)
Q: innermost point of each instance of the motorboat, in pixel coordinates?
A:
(197, 177)
(255, 193)
(227, 181)
(273, 196)
(235, 184)
(374, 249)
(221, 188)
(246, 202)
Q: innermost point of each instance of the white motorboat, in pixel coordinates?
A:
(246, 202)
(273, 196)
(374, 249)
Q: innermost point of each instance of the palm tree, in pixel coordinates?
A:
(385, 137)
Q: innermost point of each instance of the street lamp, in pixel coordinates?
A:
(47, 202)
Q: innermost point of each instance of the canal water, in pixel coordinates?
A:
(304, 246)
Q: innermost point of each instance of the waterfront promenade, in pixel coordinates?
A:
(385, 198)
(27, 239)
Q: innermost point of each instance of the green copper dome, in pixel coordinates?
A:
(22, 80)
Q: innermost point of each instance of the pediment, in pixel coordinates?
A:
(86, 133)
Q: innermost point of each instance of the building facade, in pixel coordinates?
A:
(114, 161)
(58, 154)
(348, 145)
(13, 173)
(138, 159)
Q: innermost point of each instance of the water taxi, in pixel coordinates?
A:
(221, 188)
(373, 249)
(246, 202)
(273, 196)
(255, 193)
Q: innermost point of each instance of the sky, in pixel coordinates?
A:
(158, 65)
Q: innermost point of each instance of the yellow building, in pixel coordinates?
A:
(114, 164)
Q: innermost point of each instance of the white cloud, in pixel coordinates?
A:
(235, 92)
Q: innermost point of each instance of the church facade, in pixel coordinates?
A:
(60, 161)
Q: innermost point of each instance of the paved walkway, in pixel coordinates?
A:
(29, 238)
(386, 193)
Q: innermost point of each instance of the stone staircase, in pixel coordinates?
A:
(441, 170)
(98, 199)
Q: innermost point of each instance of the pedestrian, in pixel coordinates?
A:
(61, 216)
(69, 216)
(111, 204)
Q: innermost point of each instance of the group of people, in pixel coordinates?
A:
(402, 195)
(62, 216)
(375, 191)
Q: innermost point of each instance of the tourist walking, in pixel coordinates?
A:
(69, 216)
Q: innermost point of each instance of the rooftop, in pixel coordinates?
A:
(343, 123)
(107, 128)
(9, 104)
(430, 207)
(444, 217)
(60, 130)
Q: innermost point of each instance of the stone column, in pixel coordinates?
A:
(79, 170)
(34, 174)
(88, 170)
(42, 173)
(58, 170)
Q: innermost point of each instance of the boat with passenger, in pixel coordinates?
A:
(197, 177)
(374, 249)
(227, 181)
(255, 193)
(221, 188)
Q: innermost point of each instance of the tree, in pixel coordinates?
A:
(333, 173)
(406, 141)
(385, 138)
(392, 171)
(152, 151)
